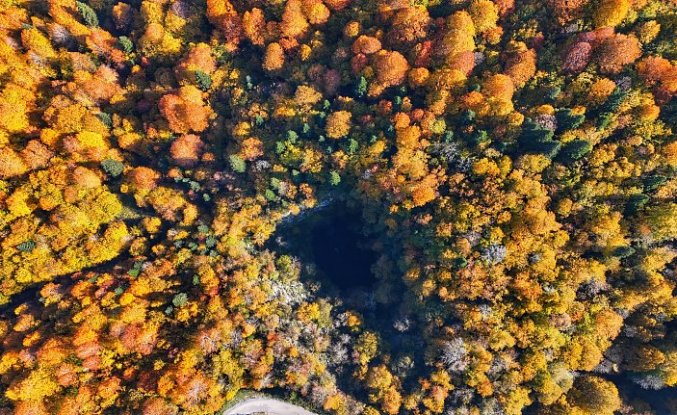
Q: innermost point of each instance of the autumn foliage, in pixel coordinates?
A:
(185, 112)
(176, 175)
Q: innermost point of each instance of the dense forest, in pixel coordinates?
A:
(378, 207)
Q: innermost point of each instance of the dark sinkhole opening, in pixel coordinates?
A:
(331, 243)
(339, 252)
(347, 255)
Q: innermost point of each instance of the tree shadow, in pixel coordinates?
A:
(332, 246)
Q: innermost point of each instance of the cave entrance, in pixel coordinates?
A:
(331, 243)
(341, 252)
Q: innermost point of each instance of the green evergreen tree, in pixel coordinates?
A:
(237, 164)
(112, 167)
(574, 150)
(362, 85)
(88, 14)
(204, 81)
(334, 178)
(126, 44)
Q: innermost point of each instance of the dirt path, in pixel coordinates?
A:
(266, 405)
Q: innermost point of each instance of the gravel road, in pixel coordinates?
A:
(267, 406)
